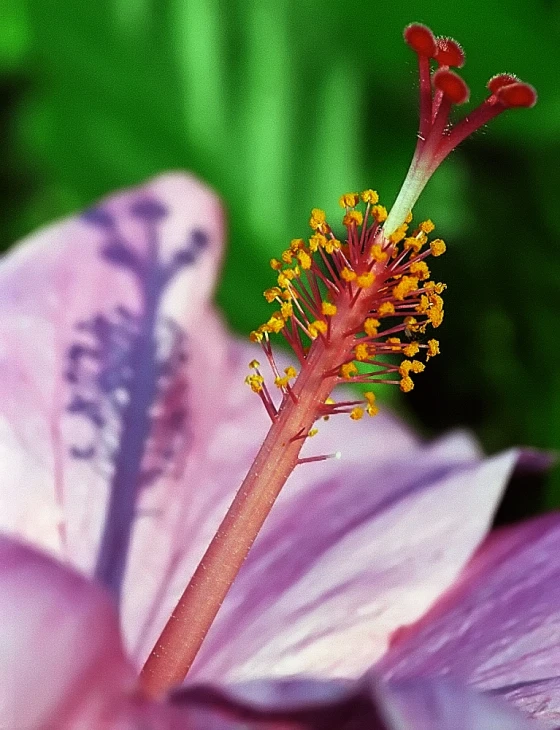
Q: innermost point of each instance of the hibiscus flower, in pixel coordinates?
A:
(125, 432)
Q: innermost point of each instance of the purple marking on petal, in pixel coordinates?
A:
(99, 217)
(126, 377)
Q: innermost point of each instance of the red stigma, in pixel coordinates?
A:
(499, 80)
(451, 85)
(421, 39)
(518, 94)
(449, 53)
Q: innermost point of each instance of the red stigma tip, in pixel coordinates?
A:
(421, 39)
(499, 80)
(517, 94)
(449, 53)
(451, 85)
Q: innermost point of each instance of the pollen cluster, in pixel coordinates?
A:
(365, 296)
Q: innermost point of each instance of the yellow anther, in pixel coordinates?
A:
(365, 280)
(406, 384)
(330, 401)
(433, 288)
(255, 382)
(371, 408)
(348, 370)
(289, 294)
(347, 274)
(378, 254)
(281, 382)
(313, 432)
(271, 294)
(411, 366)
(386, 308)
(406, 286)
(254, 364)
(304, 259)
(370, 397)
(370, 196)
(424, 304)
(349, 200)
(433, 349)
(320, 325)
(275, 323)
(412, 244)
(437, 247)
(356, 413)
(408, 217)
(296, 244)
(370, 326)
(318, 218)
(256, 336)
(316, 241)
(399, 233)
(290, 371)
(332, 245)
(435, 315)
(427, 226)
(275, 264)
(328, 309)
(353, 217)
(411, 349)
(286, 310)
(362, 352)
(287, 256)
(379, 212)
(420, 269)
(395, 343)
(411, 323)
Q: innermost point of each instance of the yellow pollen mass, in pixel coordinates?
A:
(275, 264)
(348, 370)
(420, 269)
(412, 244)
(411, 349)
(362, 352)
(347, 274)
(275, 323)
(411, 366)
(433, 349)
(316, 241)
(406, 286)
(386, 309)
(281, 382)
(356, 413)
(296, 244)
(313, 432)
(377, 254)
(320, 325)
(353, 216)
(255, 382)
(286, 310)
(435, 315)
(408, 217)
(370, 397)
(328, 309)
(365, 280)
(411, 323)
(395, 343)
(318, 218)
(271, 294)
(370, 196)
(370, 326)
(379, 212)
(305, 259)
(287, 256)
(399, 233)
(290, 371)
(349, 200)
(406, 384)
(256, 336)
(332, 245)
(438, 247)
(427, 226)
(254, 364)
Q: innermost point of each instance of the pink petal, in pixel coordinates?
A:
(96, 314)
(62, 662)
(351, 555)
(498, 628)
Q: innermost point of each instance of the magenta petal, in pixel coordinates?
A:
(498, 628)
(61, 656)
(347, 558)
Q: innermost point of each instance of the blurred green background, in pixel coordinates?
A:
(284, 104)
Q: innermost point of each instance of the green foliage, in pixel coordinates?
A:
(282, 105)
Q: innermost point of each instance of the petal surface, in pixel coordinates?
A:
(350, 556)
(499, 627)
